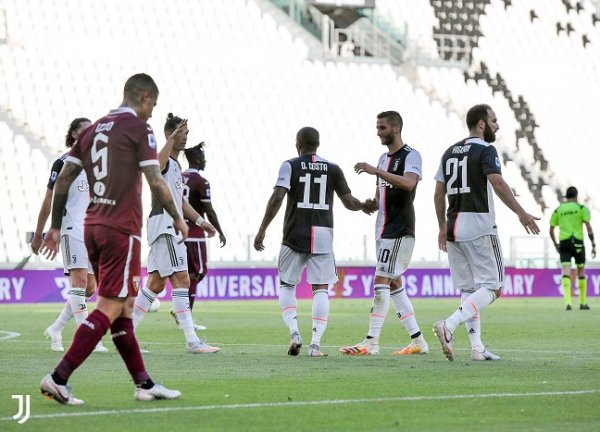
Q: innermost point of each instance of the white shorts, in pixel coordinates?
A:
(476, 264)
(167, 256)
(321, 269)
(74, 254)
(393, 256)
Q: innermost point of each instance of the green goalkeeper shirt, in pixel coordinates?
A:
(569, 217)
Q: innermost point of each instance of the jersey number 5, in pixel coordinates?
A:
(100, 161)
(453, 166)
(322, 182)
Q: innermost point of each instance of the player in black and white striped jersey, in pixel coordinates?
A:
(398, 173)
(469, 174)
(168, 256)
(309, 182)
(74, 252)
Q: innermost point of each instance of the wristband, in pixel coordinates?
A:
(199, 221)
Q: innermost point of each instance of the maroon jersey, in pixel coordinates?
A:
(197, 191)
(111, 152)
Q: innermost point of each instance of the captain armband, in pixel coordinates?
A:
(199, 221)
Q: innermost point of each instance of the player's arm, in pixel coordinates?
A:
(191, 214)
(553, 237)
(271, 211)
(408, 181)
(505, 194)
(161, 192)
(67, 175)
(352, 203)
(165, 152)
(590, 232)
(36, 242)
(211, 215)
(439, 200)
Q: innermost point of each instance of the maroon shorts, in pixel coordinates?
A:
(196, 257)
(115, 258)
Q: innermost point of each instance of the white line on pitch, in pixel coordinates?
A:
(308, 403)
(8, 335)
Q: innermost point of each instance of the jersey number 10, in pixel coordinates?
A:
(322, 182)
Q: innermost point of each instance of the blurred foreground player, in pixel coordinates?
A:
(113, 151)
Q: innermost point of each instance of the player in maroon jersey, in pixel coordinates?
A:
(197, 191)
(114, 152)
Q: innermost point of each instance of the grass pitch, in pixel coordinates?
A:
(548, 378)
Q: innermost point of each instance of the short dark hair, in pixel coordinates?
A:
(477, 113)
(193, 154)
(571, 192)
(69, 140)
(308, 137)
(393, 117)
(172, 122)
(138, 83)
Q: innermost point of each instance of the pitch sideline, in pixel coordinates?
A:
(306, 403)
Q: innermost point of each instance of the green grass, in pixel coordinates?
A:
(544, 349)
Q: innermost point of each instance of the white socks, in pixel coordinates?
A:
(470, 308)
(473, 326)
(65, 315)
(320, 313)
(77, 304)
(405, 311)
(181, 307)
(142, 303)
(379, 310)
(287, 304)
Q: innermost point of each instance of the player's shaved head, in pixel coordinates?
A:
(137, 84)
(308, 138)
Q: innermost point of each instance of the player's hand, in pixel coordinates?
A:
(208, 229)
(181, 228)
(36, 243)
(362, 167)
(529, 222)
(594, 251)
(442, 241)
(51, 243)
(180, 131)
(369, 206)
(258, 241)
(222, 239)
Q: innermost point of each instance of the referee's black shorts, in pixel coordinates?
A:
(572, 248)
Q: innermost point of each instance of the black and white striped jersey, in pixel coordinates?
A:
(310, 181)
(396, 215)
(463, 169)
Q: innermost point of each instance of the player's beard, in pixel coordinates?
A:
(387, 140)
(488, 134)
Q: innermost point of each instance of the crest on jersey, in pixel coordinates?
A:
(135, 281)
(151, 141)
(396, 163)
